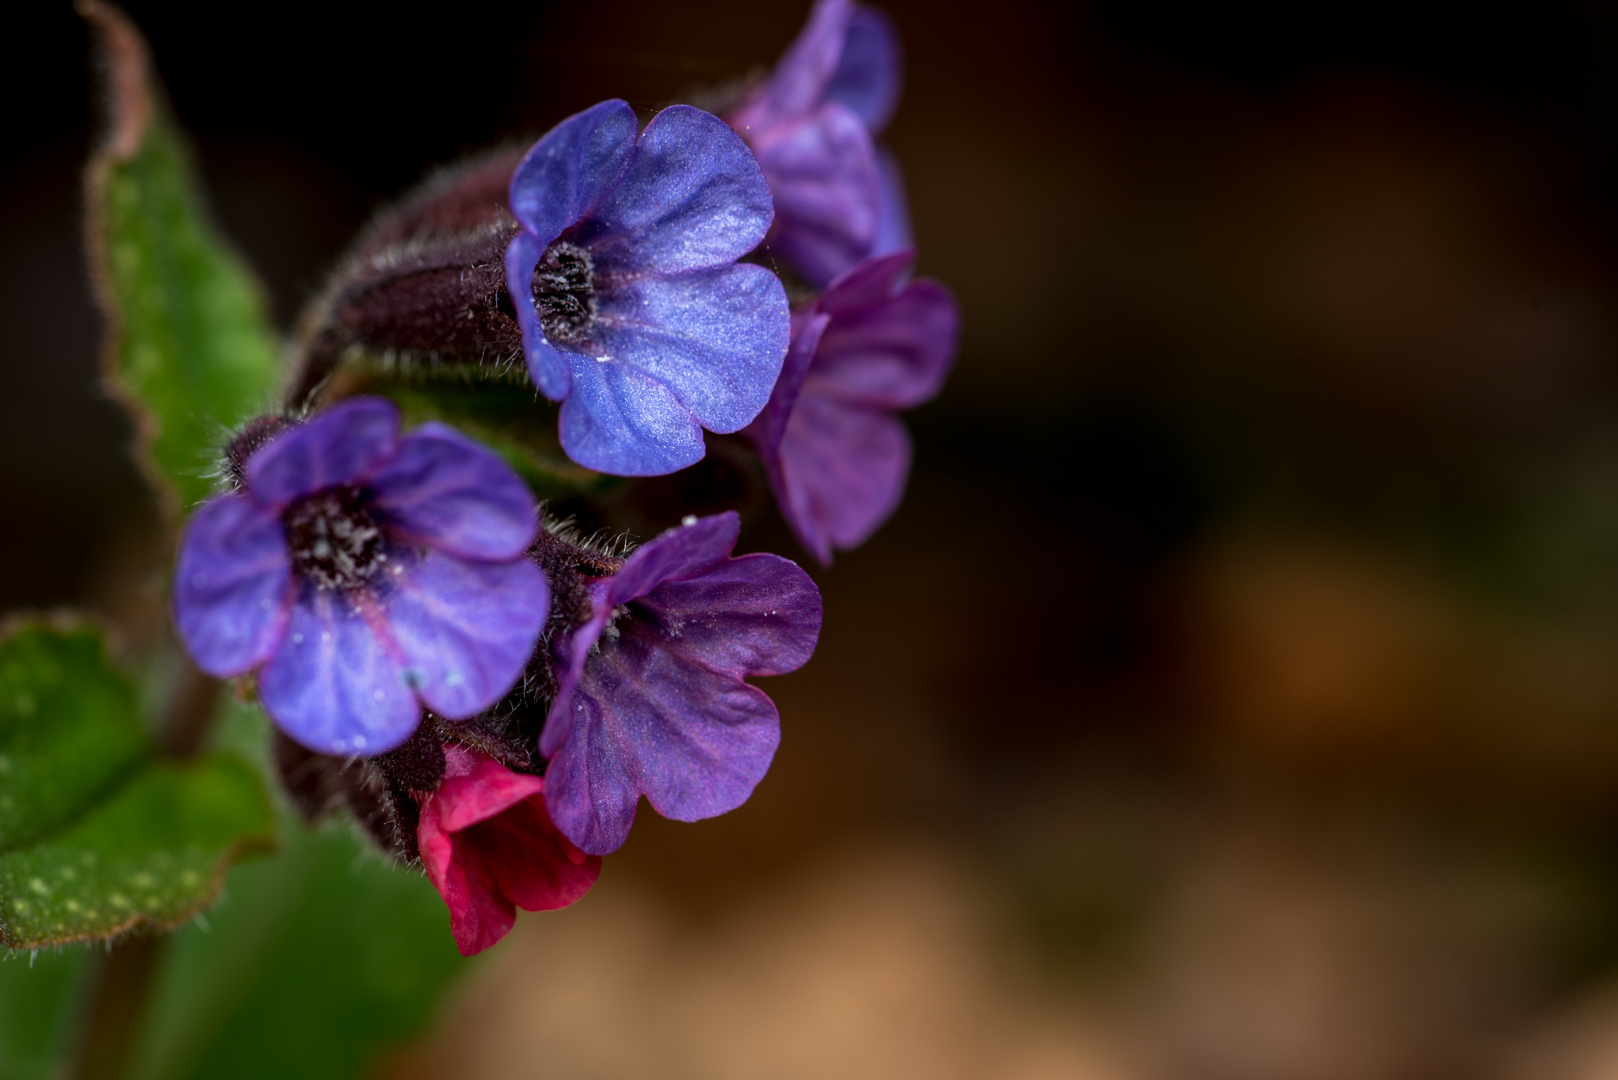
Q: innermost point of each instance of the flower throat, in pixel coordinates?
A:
(334, 540)
(564, 290)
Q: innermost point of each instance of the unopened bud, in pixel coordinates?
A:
(424, 283)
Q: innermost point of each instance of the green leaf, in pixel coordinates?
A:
(316, 960)
(509, 418)
(100, 835)
(189, 349)
(319, 958)
(154, 852)
(69, 728)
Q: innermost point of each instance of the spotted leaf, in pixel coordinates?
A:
(189, 348)
(97, 834)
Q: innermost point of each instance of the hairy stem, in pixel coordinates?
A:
(192, 711)
(120, 994)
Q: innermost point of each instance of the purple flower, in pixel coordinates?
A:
(866, 348)
(651, 698)
(364, 576)
(633, 311)
(837, 197)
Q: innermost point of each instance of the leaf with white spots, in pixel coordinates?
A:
(69, 728)
(189, 349)
(97, 834)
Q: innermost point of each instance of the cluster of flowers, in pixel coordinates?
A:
(487, 691)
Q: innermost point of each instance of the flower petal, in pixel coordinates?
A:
(870, 69)
(465, 629)
(886, 347)
(570, 656)
(470, 792)
(479, 913)
(547, 366)
(766, 430)
(569, 170)
(715, 338)
(661, 709)
(489, 846)
(893, 218)
(868, 286)
(232, 586)
(619, 420)
(592, 788)
(841, 471)
(477, 787)
(537, 866)
(828, 191)
(456, 495)
(693, 198)
(756, 615)
(341, 445)
(647, 721)
(333, 685)
(681, 552)
(801, 76)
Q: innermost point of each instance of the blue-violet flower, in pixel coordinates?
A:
(838, 197)
(869, 346)
(363, 576)
(634, 313)
(652, 699)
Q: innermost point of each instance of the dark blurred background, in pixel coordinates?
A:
(1234, 695)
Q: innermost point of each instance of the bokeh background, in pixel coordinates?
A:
(1236, 693)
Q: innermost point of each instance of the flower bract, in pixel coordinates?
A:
(652, 697)
(488, 846)
(868, 347)
(364, 575)
(634, 312)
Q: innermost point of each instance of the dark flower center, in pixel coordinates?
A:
(334, 540)
(564, 289)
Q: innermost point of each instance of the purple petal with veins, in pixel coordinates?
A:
(692, 198)
(337, 685)
(232, 585)
(571, 169)
(460, 651)
(445, 490)
(870, 69)
(660, 707)
(828, 190)
(834, 453)
(342, 445)
(364, 575)
(633, 311)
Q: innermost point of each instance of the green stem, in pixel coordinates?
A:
(120, 987)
